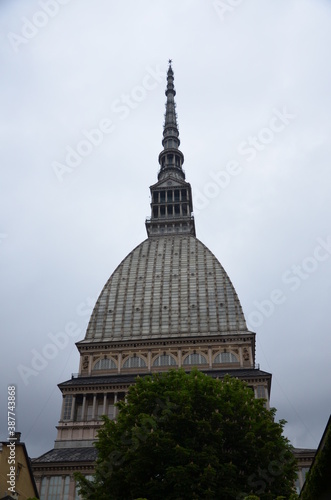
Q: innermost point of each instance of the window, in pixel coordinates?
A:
(304, 472)
(67, 404)
(225, 357)
(260, 391)
(100, 409)
(55, 488)
(195, 359)
(43, 488)
(164, 360)
(134, 362)
(105, 364)
(89, 412)
(77, 495)
(111, 411)
(79, 412)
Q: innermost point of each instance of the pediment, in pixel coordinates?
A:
(170, 182)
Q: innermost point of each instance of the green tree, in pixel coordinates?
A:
(185, 436)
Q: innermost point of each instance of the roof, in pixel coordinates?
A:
(87, 454)
(303, 451)
(129, 379)
(168, 286)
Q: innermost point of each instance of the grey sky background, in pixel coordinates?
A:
(249, 71)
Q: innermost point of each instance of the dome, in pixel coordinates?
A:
(167, 287)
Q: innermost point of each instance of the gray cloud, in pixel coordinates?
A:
(63, 239)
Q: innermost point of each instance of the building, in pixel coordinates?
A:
(16, 477)
(304, 459)
(169, 303)
(318, 483)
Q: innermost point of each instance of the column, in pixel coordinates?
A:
(267, 398)
(65, 486)
(210, 357)
(241, 356)
(73, 405)
(84, 407)
(62, 410)
(104, 409)
(72, 487)
(179, 358)
(115, 401)
(38, 481)
(94, 405)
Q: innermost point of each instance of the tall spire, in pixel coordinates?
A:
(171, 206)
(171, 158)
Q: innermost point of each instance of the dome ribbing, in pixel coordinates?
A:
(170, 286)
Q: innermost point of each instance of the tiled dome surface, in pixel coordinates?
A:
(170, 286)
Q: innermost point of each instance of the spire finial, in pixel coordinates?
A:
(171, 159)
(171, 196)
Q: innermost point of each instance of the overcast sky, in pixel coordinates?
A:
(253, 84)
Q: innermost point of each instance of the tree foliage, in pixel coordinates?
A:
(185, 436)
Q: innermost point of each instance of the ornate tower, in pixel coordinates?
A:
(171, 196)
(168, 304)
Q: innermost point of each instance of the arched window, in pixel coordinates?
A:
(164, 360)
(105, 364)
(134, 362)
(195, 359)
(226, 357)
